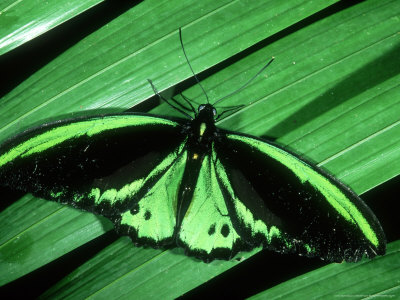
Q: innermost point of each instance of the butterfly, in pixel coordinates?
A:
(168, 182)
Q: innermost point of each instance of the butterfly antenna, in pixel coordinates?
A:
(187, 100)
(228, 110)
(247, 83)
(166, 101)
(179, 104)
(190, 66)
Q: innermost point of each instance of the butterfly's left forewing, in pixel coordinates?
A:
(126, 167)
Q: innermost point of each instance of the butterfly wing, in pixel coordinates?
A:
(207, 231)
(278, 200)
(104, 165)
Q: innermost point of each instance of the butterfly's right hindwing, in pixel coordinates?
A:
(126, 167)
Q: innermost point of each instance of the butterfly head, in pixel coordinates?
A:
(206, 112)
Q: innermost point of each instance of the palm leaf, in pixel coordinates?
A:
(330, 96)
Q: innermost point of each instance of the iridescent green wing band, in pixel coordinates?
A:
(51, 135)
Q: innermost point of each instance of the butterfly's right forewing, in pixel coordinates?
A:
(284, 203)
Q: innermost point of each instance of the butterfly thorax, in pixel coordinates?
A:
(202, 130)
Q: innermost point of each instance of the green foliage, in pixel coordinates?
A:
(331, 95)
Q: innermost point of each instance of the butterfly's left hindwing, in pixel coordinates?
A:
(152, 220)
(126, 167)
(207, 230)
(283, 203)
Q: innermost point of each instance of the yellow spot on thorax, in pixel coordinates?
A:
(195, 155)
(203, 127)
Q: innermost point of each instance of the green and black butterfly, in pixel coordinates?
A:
(165, 182)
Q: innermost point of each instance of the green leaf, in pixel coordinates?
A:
(22, 21)
(369, 278)
(329, 95)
